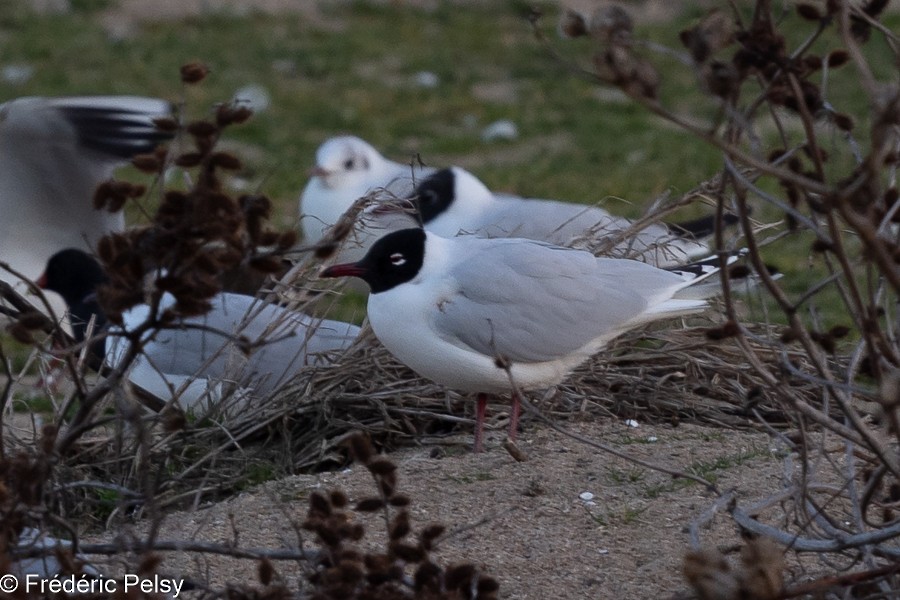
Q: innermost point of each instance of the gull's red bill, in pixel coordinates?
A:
(344, 270)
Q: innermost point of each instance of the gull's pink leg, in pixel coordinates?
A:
(514, 412)
(480, 410)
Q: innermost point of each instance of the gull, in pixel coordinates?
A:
(454, 202)
(54, 152)
(241, 343)
(452, 309)
(348, 168)
(46, 564)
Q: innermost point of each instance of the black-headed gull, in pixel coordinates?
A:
(348, 168)
(46, 565)
(449, 308)
(192, 355)
(453, 201)
(54, 152)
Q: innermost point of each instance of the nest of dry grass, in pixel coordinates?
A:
(667, 375)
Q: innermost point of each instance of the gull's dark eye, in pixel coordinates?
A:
(397, 259)
(348, 164)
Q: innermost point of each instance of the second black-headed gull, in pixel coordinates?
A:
(453, 201)
(241, 342)
(453, 309)
(54, 152)
(348, 168)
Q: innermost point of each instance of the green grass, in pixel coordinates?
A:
(710, 470)
(351, 71)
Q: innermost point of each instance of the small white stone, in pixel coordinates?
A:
(652, 439)
(17, 74)
(253, 96)
(586, 496)
(503, 129)
(631, 423)
(426, 79)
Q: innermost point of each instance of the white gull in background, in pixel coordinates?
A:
(454, 202)
(54, 152)
(348, 168)
(449, 307)
(199, 356)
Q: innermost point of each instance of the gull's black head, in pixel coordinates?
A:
(435, 194)
(392, 260)
(73, 274)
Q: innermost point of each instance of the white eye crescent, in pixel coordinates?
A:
(398, 259)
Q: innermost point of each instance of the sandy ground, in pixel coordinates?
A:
(530, 524)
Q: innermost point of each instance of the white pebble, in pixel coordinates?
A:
(503, 129)
(255, 97)
(17, 74)
(426, 79)
(631, 423)
(652, 439)
(586, 496)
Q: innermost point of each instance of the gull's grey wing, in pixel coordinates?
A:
(546, 220)
(562, 222)
(534, 302)
(282, 342)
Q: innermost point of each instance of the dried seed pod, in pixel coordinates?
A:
(326, 250)
(266, 264)
(369, 505)
(149, 563)
(432, 531)
(201, 128)
(265, 571)
(381, 466)
(399, 500)
(189, 159)
(837, 58)
(33, 320)
(842, 121)
(809, 12)
(174, 420)
(727, 330)
(287, 240)
(400, 526)
(167, 124)
(714, 32)
(226, 161)
(610, 24)
(722, 79)
(20, 334)
(486, 585)
(820, 245)
(571, 24)
(360, 448)
(427, 576)
(407, 552)
(459, 577)
(338, 499)
(319, 504)
(148, 163)
(228, 114)
(839, 331)
(194, 72)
